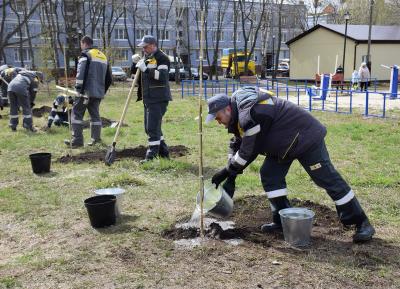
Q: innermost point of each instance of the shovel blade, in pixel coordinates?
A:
(110, 156)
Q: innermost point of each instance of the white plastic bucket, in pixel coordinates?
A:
(297, 225)
(216, 202)
(118, 192)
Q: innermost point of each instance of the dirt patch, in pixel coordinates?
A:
(137, 153)
(41, 111)
(249, 214)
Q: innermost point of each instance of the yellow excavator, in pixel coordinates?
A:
(228, 63)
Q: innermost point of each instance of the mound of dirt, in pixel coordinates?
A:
(253, 211)
(136, 152)
(39, 112)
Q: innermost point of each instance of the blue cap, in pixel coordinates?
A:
(215, 104)
(146, 40)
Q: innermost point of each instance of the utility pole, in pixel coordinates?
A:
(371, 4)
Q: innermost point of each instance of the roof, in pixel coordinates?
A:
(358, 33)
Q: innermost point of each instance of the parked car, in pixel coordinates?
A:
(118, 74)
(195, 74)
(172, 73)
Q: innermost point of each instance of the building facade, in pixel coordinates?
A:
(118, 26)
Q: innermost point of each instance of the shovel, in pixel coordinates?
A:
(111, 153)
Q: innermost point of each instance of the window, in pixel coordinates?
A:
(163, 13)
(97, 33)
(284, 37)
(238, 34)
(23, 33)
(284, 20)
(122, 55)
(198, 35)
(25, 55)
(120, 34)
(19, 6)
(221, 35)
(163, 34)
(140, 33)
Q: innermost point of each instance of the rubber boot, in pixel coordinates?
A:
(163, 152)
(277, 204)
(151, 153)
(95, 132)
(74, 145)
(351, 213)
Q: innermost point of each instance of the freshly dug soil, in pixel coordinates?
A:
(136, 152)
(253, 211)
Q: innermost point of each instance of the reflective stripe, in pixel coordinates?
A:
(154, 143)
(151, 65)
(277, 193)
(347, 198)
(239, 160)
(13, 116)
(4, 98)
(79, 81)
(95, 123)
(156, 74)
(99, 60)
(82, 59)
(163, 66)
(28, 116)
(254, 130)
(74, 121)
(230, 156)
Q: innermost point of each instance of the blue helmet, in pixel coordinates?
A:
(60, 99)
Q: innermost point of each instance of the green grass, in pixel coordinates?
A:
(46, 224)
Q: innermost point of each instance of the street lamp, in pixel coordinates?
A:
(346, 18)
(273, 59)
(371, 4)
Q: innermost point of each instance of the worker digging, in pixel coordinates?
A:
(264, 124)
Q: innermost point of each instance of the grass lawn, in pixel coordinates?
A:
(46, 240)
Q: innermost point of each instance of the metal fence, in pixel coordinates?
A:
(371, 103)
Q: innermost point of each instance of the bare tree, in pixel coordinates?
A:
(6, 35)
(251, 13)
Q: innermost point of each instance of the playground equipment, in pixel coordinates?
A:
(325, 83)
(394, 80)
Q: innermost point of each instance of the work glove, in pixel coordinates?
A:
(135, 58)
(229, 186)
(141, 65)
(70, 100)
(219, 177)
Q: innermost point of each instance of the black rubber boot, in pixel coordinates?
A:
(277, 204)
(74, 145)
(364, 232)
(151, 153)
(163, 152)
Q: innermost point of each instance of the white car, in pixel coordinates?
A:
(118, 73)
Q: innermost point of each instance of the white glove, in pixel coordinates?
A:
(135, 58)
(141, 65)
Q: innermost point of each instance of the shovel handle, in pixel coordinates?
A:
(128, 99)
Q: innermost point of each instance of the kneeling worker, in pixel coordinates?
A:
(263, 124)
(59, 111)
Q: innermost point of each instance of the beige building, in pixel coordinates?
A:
(327, 42)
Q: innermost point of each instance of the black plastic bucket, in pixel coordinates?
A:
(101, 210)
(40, 162)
